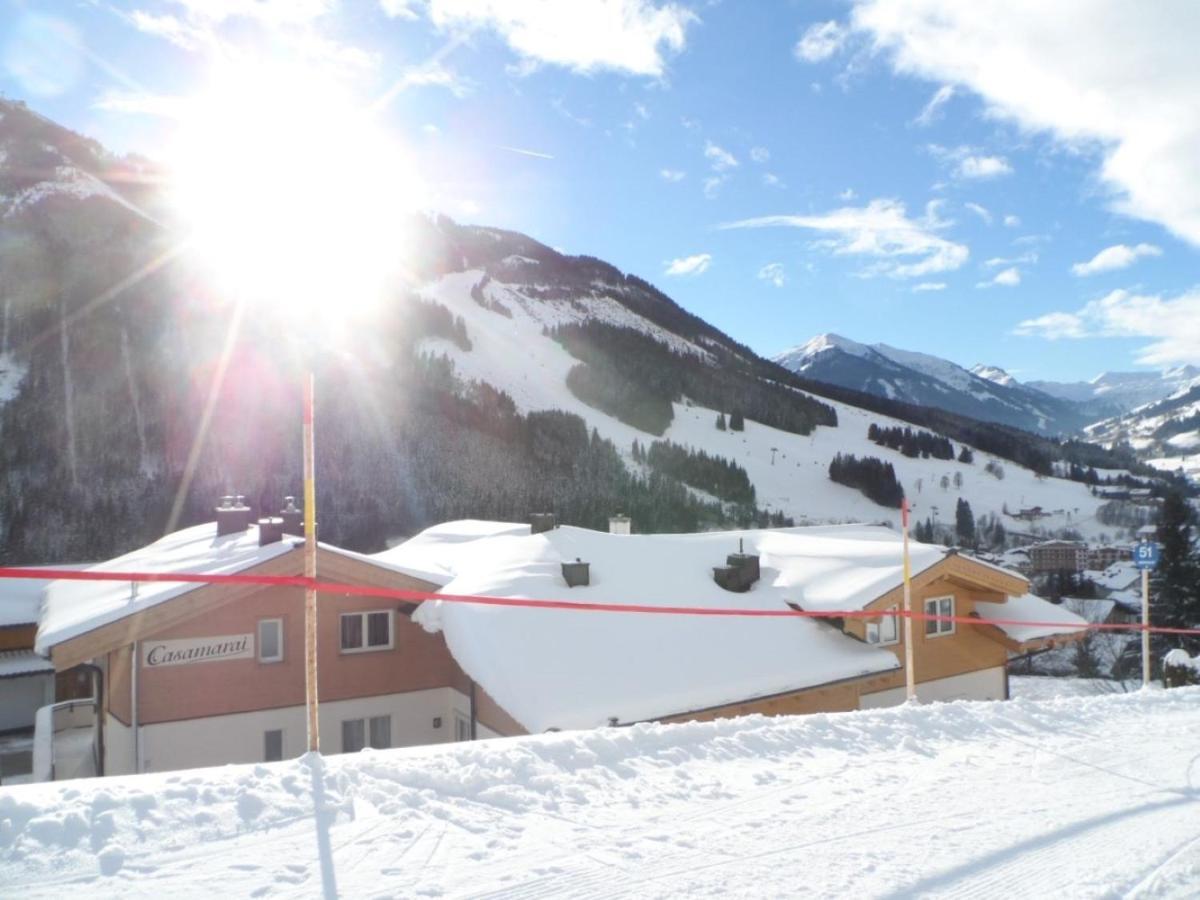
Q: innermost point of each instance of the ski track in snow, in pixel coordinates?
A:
(1070, 797)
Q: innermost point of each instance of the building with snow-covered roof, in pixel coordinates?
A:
(196, 674)
(554, 668)
(27, 680)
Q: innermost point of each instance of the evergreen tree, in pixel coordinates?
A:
(1175, 583)
(965, 455)
(720, 421)
(964, 523)
(736, 422)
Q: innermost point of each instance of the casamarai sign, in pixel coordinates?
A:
(197, 650)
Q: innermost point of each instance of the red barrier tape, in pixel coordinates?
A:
(325, 587)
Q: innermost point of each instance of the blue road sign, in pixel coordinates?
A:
(1145, 555)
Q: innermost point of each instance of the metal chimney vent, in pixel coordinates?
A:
(577, 574)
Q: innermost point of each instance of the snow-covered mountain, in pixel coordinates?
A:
(1124, 390)
(984, 392)
(504, 378)
(1165, 433)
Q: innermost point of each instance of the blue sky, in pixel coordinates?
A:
(992, 182)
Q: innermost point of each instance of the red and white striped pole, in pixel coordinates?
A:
(310, 572)
(910, 677)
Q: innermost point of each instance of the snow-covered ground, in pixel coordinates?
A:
(790, 472)
(1076, 797)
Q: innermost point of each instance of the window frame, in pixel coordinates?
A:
(940, 628)
(462, 727)
(363, 616)
(361, 722)
(278, 622)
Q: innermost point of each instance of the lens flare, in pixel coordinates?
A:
(293, 196)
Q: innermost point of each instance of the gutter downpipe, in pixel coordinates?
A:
(98, 696)
(474, 716)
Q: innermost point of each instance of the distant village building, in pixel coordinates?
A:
(194, 674)
(1100, 558)
(1058, 556)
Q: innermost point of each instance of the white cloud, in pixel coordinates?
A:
(760, 154)
(847, 195)
(1118, 256)
(773, 273)
(902, 247)
(1010, 277)
(970, 163)
(1053, 326)
(929, 286)
(1113, 78)
(933, 109)
(629, 36)
(981, 211)
(1172, 324)
(712, 185)
(221, 26)
(1024, 259)
(398, 9)
(770, 179)
(690, 265)
(720, 158)
(672, 174)
(821, 41)
(1011, 221)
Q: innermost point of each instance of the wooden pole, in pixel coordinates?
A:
(910, 677)
(310, 572)
(1145, 628)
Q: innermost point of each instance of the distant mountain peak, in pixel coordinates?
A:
(994, 374)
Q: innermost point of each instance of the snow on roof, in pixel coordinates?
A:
(21, 598)
(437, 553)
(1092, 609)
(1117, 577)
(16, 663)
(570, 669)
(71, 608)
(1032, 608)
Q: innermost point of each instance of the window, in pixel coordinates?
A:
(366, 631)
(270, 640)
(939, 606)
(380, 729)
(374, 732)
(273, 745)
(886, 630)
(354, 736)
(462, 727)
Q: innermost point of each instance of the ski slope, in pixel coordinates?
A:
(513, 355)
(1070, 797)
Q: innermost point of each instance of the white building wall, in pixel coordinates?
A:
(985, 684)
(418, 717)
(118, 747)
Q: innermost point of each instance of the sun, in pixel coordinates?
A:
(292, 194)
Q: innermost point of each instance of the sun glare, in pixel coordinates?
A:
(292, 193)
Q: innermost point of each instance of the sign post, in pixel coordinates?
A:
(1145, 557)
(910, 678)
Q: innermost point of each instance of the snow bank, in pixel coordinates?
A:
(1023, 798)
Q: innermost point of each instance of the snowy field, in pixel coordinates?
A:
(1070, 797)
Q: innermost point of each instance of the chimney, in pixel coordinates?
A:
(270, 531)
(577, 574)
(233, 515)
(539, 522)
(741, 570)
(618, 524)
(292, 516)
